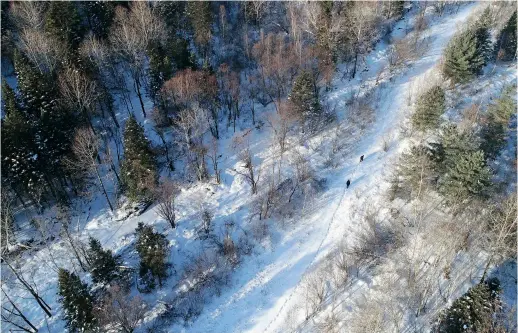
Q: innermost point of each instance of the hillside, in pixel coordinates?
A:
(278, 225)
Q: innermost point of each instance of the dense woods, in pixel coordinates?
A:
(111, 109)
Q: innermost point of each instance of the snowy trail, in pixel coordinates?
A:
(261, 303)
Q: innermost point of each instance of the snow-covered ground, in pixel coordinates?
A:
(268, 283)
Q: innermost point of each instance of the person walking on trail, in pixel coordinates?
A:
(361, 158)
(348, 183)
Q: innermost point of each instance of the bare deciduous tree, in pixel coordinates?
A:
(79, 92)
(499, 241)
(86, 152)
(166, 196)
(119, 309)
(13, 314)
(132, 32)
(250, 174)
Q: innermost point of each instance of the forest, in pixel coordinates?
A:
(258, 166)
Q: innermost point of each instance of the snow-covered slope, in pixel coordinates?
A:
(268, 283)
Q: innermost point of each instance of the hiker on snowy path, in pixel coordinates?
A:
(348, 183)
(361, 158)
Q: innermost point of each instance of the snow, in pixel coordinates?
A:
(268, 283)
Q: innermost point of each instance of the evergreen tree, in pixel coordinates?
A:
(51, 126)
(103, 264)
(465, 55)
(304, 99)
(173, 14)
(138, 170)
(473, 312)
(200, 16)
(451, 144)
(18, 147)
(430, 106)
(152, 249)
(495, 130)
(468, 177)
(506, 40)
(76, 301)
(414, 173)
(64, 23)
(160, 69)
(180, 53)
(99, 15)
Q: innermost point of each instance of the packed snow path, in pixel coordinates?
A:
(270, 288)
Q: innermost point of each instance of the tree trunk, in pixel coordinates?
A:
(104, 190)
(355, 63)
(139, 94)
(20, 314)
(37, 297)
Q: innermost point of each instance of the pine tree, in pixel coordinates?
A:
(99, 15)
(64, 23)
(138, 170)
(414, 173)
(495, 130)
(465, 55)
(153, 252)
(506, 40)
(160, 69)
(51, 126)
(200, 16)
(304, 99)
(430, 106)
(103, 264)
(473, 312)
(451, 144)
(76, 301)
(468, 177)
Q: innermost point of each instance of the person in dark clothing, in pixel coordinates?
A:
(348, 183)
(361, 158)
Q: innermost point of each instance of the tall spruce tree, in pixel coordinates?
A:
(160, 69)
(139, 169)
(104, 266)
(64, 22)
(77, 302)
(473, 312)
(152, 249)
(304, 99)
(99, 15)
(465, 55)
(451, 144)
(200, 17)
(495, 129)
(506, 40)
(430, 106)
(18, 147)
(468, 177)
(51, 126)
